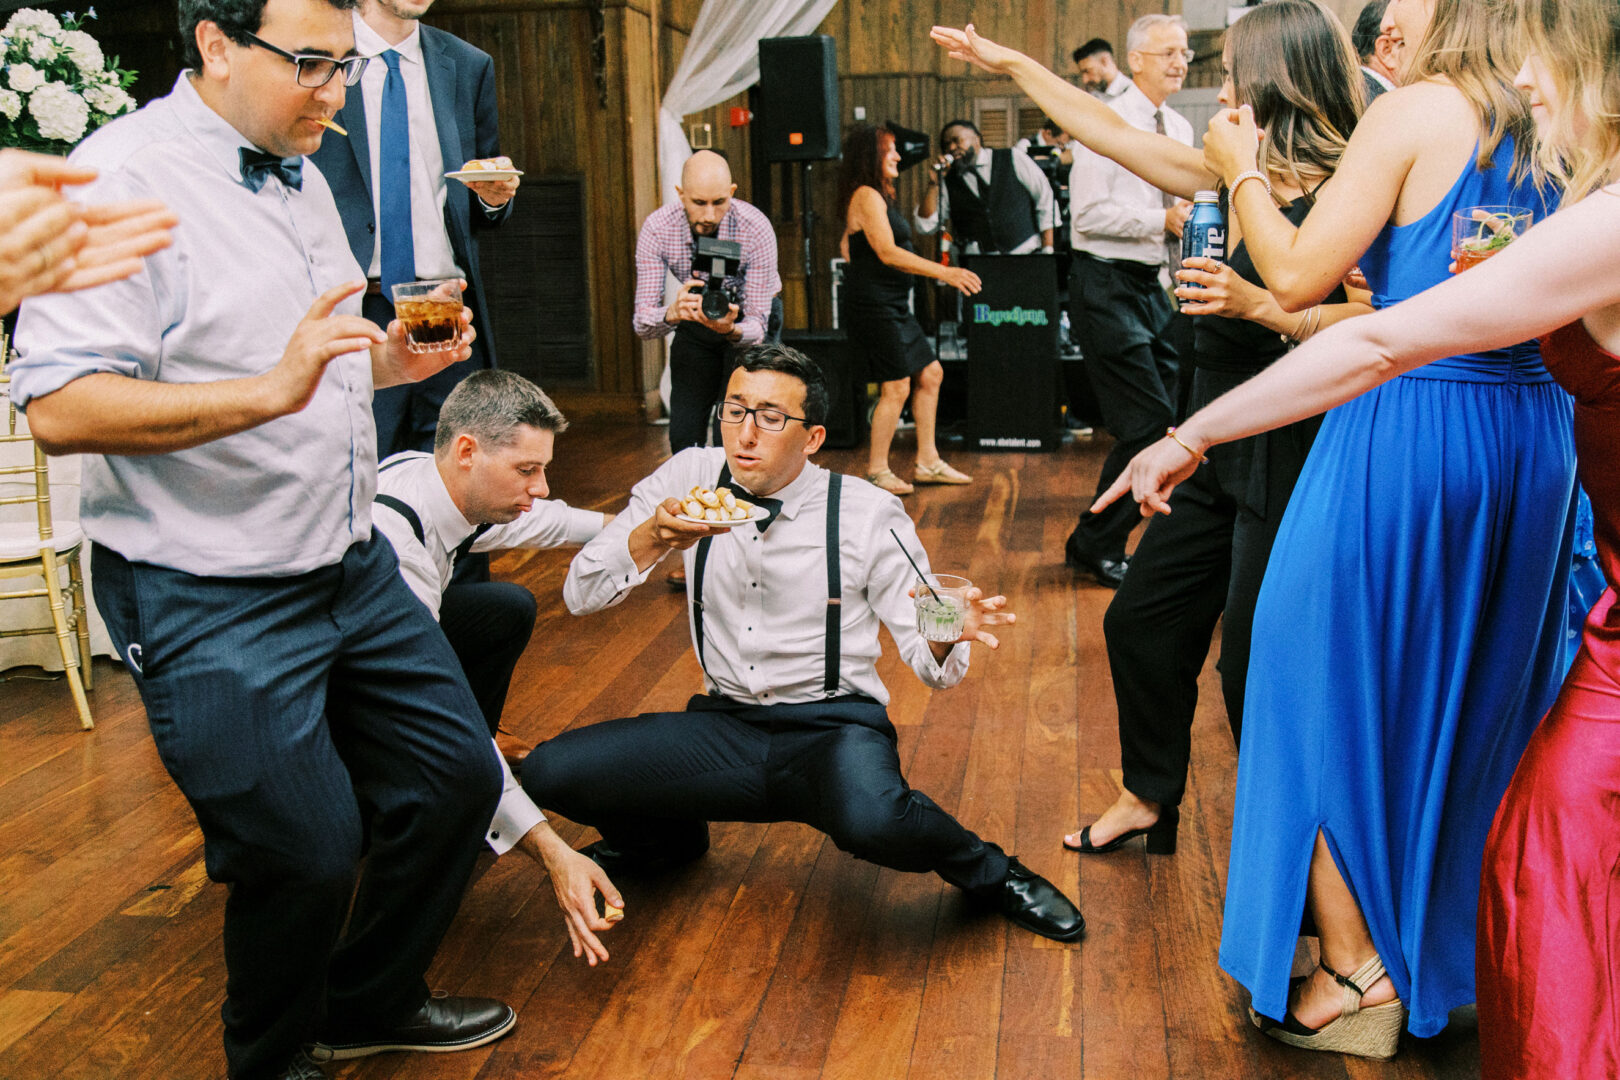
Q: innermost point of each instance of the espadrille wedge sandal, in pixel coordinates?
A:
(1372, 1032)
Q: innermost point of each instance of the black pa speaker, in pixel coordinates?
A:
(798, 98)
(846, 388)
(913, 145)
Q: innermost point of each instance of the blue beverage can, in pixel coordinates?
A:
(1204, 236)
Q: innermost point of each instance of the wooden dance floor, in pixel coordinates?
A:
(776, 957)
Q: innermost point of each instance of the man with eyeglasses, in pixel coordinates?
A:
(424, 107)
(785, 613)
(1126, 235)
(304, 702)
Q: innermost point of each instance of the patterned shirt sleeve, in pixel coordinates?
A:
(654, 259)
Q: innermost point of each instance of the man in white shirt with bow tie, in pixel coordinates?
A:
(793, 725)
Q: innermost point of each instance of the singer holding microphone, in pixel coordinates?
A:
(876, 306)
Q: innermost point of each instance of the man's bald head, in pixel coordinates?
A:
(706, 191)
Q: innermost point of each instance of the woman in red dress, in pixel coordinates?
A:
(1549, 919)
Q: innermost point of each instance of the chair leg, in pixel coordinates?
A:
(81, 620)
(64, 638)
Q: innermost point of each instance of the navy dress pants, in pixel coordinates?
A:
(650, 784)
(488, 625)
(296, 714)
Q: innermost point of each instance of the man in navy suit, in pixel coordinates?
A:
(425, 107)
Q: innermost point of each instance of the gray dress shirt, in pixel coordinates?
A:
(282, 498)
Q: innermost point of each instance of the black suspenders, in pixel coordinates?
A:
(835, 585)
(408, 512)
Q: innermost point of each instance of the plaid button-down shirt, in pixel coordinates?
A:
(665, 244)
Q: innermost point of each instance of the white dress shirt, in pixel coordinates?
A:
(765, 594)
(1115, 214)
(281, 498)
(434, 257)
(1121, 83)
(414, 479)
(1029, 175)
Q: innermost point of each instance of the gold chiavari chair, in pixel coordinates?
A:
(28, 550)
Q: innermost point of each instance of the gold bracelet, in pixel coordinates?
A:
(1170, 433)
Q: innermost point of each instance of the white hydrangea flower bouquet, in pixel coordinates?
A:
(56, 86)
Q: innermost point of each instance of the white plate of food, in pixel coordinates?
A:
(471, 173)
(720, 507)
(757, 513)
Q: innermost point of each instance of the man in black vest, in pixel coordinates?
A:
(785, 614)
(996, 201)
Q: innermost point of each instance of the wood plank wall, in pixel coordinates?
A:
(580, 82)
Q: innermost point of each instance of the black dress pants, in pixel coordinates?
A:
(652, 783)
(1205, 558)
(699, 364)
(488, 625)
(1119, 314)
(297, 714)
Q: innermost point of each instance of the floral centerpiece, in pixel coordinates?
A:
(57, 86)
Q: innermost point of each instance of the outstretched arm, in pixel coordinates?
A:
(1301, 266)
(1554, 275)
(1158, 159)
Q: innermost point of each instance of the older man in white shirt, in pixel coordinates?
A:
(784, 616)
(1122, 228)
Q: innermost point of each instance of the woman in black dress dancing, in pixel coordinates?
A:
(876, 306)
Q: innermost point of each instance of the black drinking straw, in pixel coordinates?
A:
(920, 575)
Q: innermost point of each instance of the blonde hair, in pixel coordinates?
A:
(1293, 64)
(1470, 46)
(1579, 43)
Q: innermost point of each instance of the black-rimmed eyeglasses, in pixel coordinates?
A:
(767, 419)
(314, 70)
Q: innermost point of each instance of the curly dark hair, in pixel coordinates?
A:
(237, 18)
(862, 163)
(792, 362)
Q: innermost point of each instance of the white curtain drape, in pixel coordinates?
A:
(721, 61)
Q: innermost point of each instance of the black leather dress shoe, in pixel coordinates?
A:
(439, 1026)
(1035, 904)
(616, 863)
(302, 1067)
(1107, 572)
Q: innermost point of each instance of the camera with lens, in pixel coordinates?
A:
(720, 259)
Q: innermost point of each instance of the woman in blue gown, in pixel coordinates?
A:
(1408, 633)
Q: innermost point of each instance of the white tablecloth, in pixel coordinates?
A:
(42, 650)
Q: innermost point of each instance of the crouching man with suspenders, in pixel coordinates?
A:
(484, 488)
(793, 725)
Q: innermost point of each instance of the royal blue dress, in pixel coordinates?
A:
(1407, 640)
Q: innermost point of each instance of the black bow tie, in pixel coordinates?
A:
(772, 508)
(256, 165)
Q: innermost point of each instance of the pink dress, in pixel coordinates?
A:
(1549, 909)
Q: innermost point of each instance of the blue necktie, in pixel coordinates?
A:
(258, 166)
(394, 182)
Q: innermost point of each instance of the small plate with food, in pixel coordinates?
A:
(719, 507)
(484, 171)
